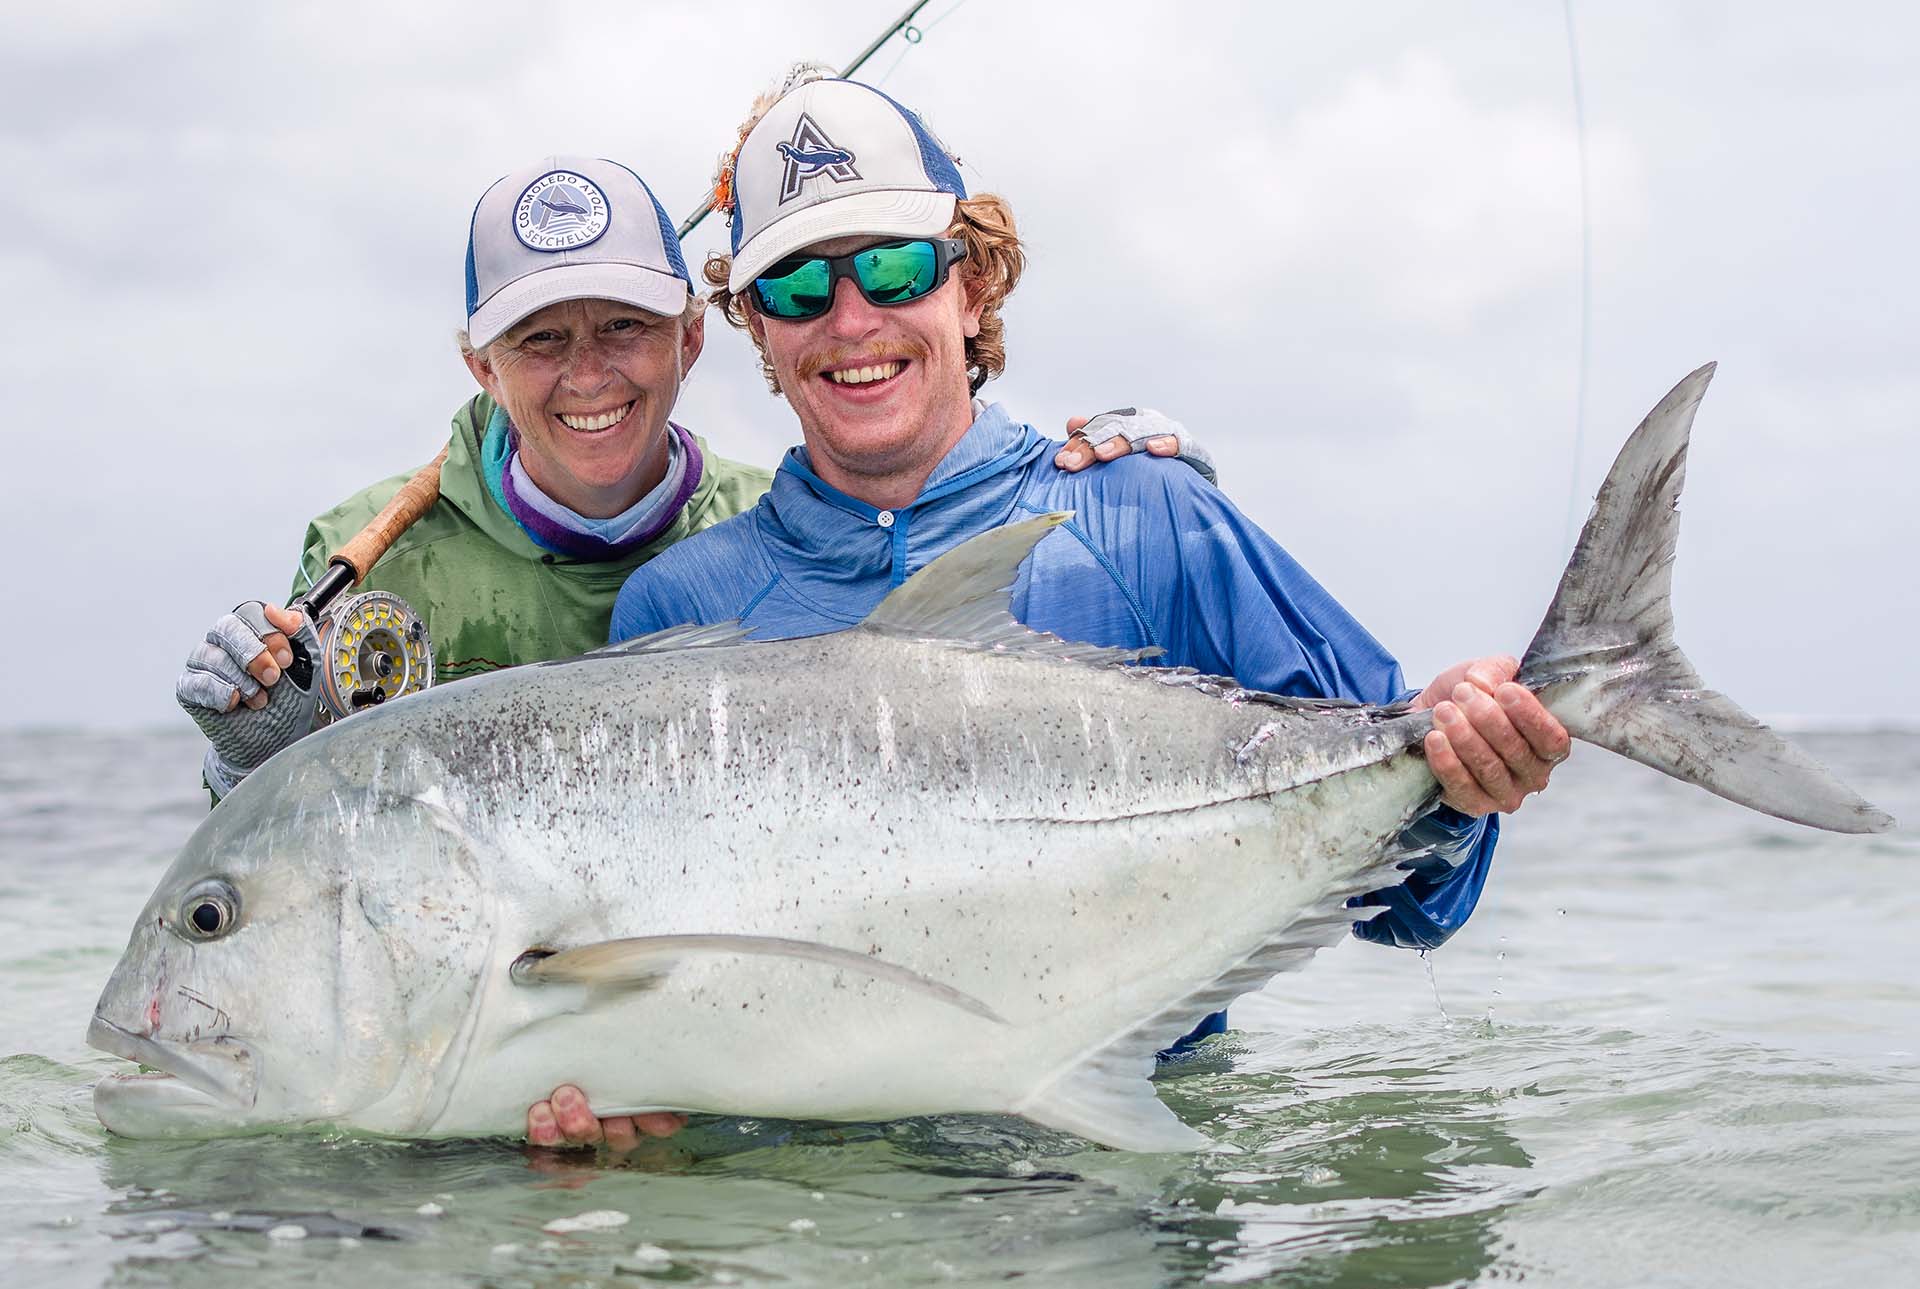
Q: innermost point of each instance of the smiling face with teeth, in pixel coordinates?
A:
(881, 392)
(589, 385)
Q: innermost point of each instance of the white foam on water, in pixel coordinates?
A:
(599, 1219)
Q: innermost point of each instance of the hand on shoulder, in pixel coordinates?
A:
(1112, 435)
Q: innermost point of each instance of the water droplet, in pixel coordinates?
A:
(288, 1231)
(429, 1209)
(1426, 960)
(801, 1225)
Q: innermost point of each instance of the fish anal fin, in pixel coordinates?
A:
(645, 962)
(1112, 1103)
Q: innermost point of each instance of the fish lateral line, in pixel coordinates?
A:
(645, 962)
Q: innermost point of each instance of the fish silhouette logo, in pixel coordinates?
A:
(810, 154)
(560, 211)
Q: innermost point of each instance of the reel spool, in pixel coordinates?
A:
(373, 647)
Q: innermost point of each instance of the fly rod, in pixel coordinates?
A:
(902, 23)
(376, 647)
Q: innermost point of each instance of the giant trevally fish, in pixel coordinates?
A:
(935, 863)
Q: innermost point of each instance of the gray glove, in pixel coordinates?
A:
(241, 740)
(1138, 424)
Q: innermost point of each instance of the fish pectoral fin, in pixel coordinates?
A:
(643, 962)
(1113, 1105)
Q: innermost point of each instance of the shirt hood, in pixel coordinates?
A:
(973, 488)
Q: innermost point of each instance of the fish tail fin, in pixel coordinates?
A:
(1605, 663)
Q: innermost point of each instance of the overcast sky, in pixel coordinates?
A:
(1341, 242)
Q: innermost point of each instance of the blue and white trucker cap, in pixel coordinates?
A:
(569, 228)
(835, 159)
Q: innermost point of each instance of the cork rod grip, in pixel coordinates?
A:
(415, 498)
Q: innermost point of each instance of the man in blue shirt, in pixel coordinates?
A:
(871, 285)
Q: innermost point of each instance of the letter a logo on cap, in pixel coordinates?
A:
(810, 154)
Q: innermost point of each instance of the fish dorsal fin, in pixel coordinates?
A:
(710, 636)
(962, 598)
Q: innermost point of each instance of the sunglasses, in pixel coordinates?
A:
(890, 273)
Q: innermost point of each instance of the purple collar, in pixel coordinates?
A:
(580, 546)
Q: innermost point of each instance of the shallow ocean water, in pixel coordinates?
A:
(1679, 1043)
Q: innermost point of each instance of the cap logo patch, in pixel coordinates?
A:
(809, 155)
(560, 211)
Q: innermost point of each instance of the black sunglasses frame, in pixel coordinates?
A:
(948, 251)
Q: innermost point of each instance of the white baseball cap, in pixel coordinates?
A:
(833, 159)
(569, 228)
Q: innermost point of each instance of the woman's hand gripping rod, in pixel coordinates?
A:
(264, 677)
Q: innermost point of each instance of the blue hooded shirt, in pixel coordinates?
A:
(1153, 556)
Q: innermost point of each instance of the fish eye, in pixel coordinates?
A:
(210, 910)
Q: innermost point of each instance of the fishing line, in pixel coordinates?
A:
(904, 23)
(913, 36)
(1586, 279)
(906, 47)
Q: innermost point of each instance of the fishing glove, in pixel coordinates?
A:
(1138, 424)
(240, 741)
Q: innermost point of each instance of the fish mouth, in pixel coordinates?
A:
(208, 1079)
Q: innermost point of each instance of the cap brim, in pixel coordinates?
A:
(644, 288)
(887, 213)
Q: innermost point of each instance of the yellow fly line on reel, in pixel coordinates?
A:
(373, 646)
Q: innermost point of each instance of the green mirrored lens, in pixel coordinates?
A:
(889, 274)
(801, 292)
(892, 274)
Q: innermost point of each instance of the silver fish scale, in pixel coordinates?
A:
(990, 819)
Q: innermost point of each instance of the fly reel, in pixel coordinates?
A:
(373, 647)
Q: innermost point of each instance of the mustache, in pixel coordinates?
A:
(862, 356)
